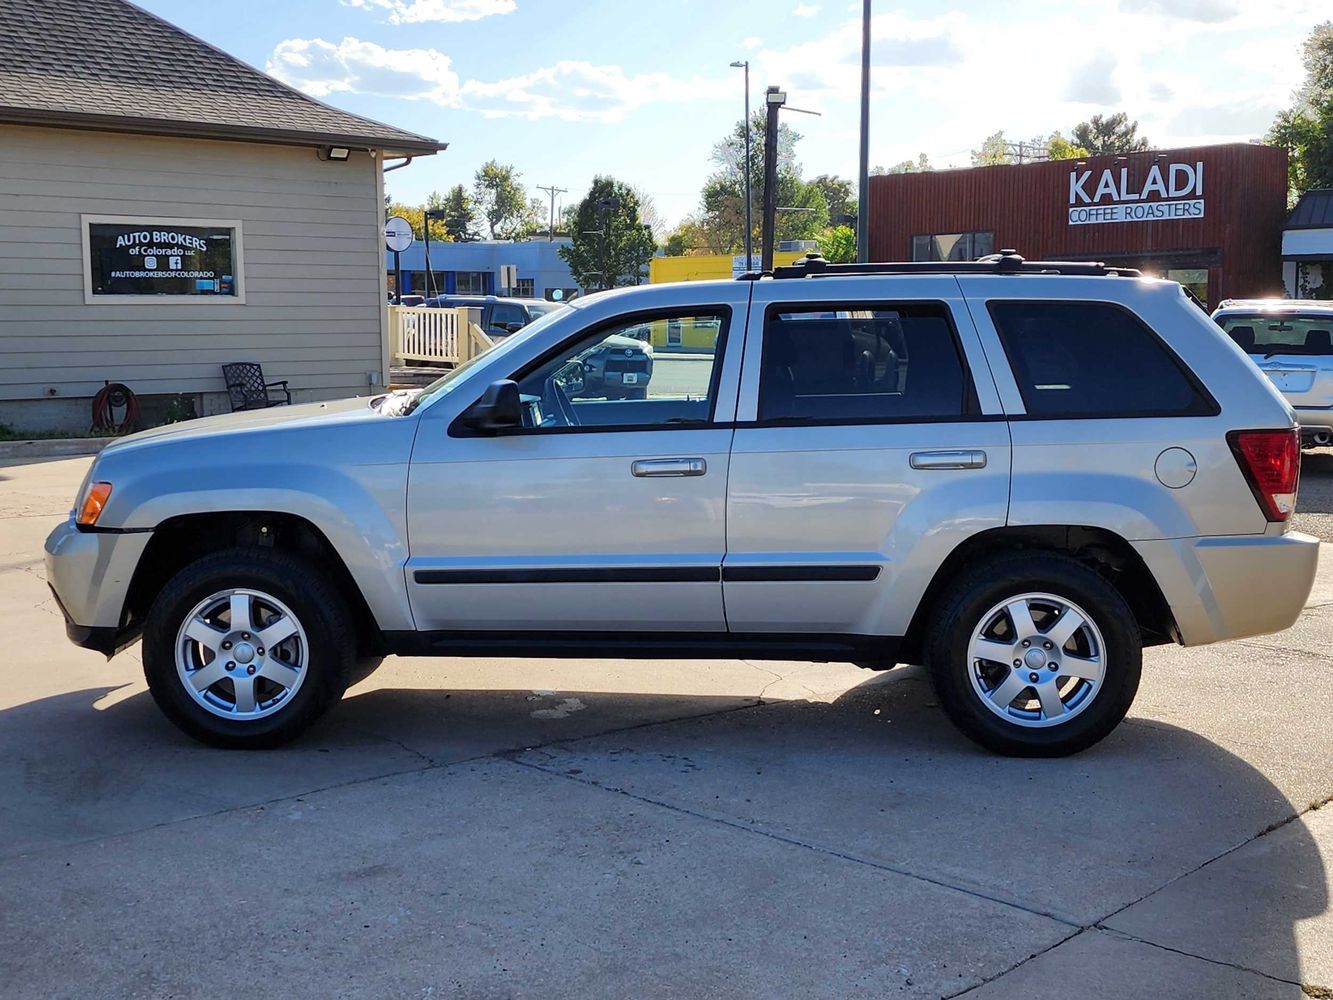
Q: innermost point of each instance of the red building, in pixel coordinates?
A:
(1209, 217)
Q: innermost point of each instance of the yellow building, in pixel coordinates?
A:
(709, 266)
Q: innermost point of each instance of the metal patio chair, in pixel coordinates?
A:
(247, 389)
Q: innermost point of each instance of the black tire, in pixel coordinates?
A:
(310, 596)
(978, 590)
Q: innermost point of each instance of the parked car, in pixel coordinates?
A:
(500, 316)
(410, 300)
(1291, 340)
(619, 367)
(1018, 474)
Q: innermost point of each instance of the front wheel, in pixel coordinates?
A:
(247, 648)
(1034, 655)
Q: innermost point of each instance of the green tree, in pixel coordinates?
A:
(803, 210)
(502, 201)
(839, 196)
(686, 239)
(416, 218)
(1100, 135)
(610, 244)
(1060, 148)
(838, 244)
(1305, 129)
(920, 165)
(460, 214)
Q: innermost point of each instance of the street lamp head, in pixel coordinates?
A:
(741, 65)
(775, 96)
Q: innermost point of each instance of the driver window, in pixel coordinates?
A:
(645, 373)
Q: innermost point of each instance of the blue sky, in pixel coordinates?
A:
(566, 89)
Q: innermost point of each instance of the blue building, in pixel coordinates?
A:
(474, 268)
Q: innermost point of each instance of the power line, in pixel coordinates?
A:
(552, 190)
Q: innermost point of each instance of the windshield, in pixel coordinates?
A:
(450, 380)
(1281, 333)
(542, 308)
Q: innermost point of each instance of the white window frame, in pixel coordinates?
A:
(238, 247)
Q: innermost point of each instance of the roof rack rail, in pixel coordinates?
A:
(1005, 262)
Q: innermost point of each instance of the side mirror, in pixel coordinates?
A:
(499, 408)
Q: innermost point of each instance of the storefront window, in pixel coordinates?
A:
(470, 283)
(1193, 278)
(135, 259)
(525, 287)
(1314, 279)
(953, 246)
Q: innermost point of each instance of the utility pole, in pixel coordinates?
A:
(774, 99)
(749, 200)
(863, 181)
(552, 190)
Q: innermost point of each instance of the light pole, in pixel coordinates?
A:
(428, 216)
(863, 199)
(749, 227)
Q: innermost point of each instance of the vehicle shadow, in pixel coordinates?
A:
(877, 774)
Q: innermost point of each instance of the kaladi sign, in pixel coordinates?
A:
(1167, 191)
(161, 258)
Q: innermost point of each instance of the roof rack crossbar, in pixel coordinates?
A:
(1006, 262)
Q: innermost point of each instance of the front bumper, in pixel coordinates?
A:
(89, 573)
(1233, 586)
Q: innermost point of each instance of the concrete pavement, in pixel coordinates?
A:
(641, 829)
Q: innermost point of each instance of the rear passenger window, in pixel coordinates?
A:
(868, 363)
(1080, 359)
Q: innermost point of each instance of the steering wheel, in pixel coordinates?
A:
(556, 400)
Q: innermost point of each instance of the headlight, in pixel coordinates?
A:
(93, 504)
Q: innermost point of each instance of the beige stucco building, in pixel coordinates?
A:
(158, 222)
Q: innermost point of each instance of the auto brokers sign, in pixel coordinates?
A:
(1167, 191)
(161, 257)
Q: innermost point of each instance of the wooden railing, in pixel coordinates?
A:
(439, 336)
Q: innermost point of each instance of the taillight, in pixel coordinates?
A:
(1271, 461)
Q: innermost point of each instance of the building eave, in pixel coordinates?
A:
(390, 145)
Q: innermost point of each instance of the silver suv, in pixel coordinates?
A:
(1291, 340)
(1018, 474)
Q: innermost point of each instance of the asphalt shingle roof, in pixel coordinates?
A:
(106, 62)
(1313, 211)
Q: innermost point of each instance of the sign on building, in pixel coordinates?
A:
(1166, 191)
(161, 257)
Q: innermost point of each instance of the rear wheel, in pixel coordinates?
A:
(247, 648)
(1034, 655)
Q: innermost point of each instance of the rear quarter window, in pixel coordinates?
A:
(1093, 359)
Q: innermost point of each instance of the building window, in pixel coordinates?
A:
(1314, 279)
(470, 283)
(1193, 278)
(129, 259)
(525, 288)
(560, 294)
(953, 246)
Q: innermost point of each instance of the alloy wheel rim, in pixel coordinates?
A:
(1036, 660)
(241, 654)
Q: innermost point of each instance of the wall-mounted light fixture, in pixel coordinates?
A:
(333, 152)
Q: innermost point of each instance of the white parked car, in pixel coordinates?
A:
(1019, 474)
(1291, 340)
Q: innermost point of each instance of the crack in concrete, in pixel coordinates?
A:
(1126, 936)
(794, 842)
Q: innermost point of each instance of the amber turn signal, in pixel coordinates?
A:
(93, 504)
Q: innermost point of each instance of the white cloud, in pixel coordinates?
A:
(753, 42)
(806, 10)
(1093, 82)
(581, 91)
(321, 68)
(423, 11)
(1207, 11)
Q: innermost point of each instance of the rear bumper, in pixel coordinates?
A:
(1314, 422)
(1234, 586)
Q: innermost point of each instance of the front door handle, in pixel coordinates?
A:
(653, 468)
(947, 460)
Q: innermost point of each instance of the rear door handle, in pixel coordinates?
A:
(947, 460)
(653, 468)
